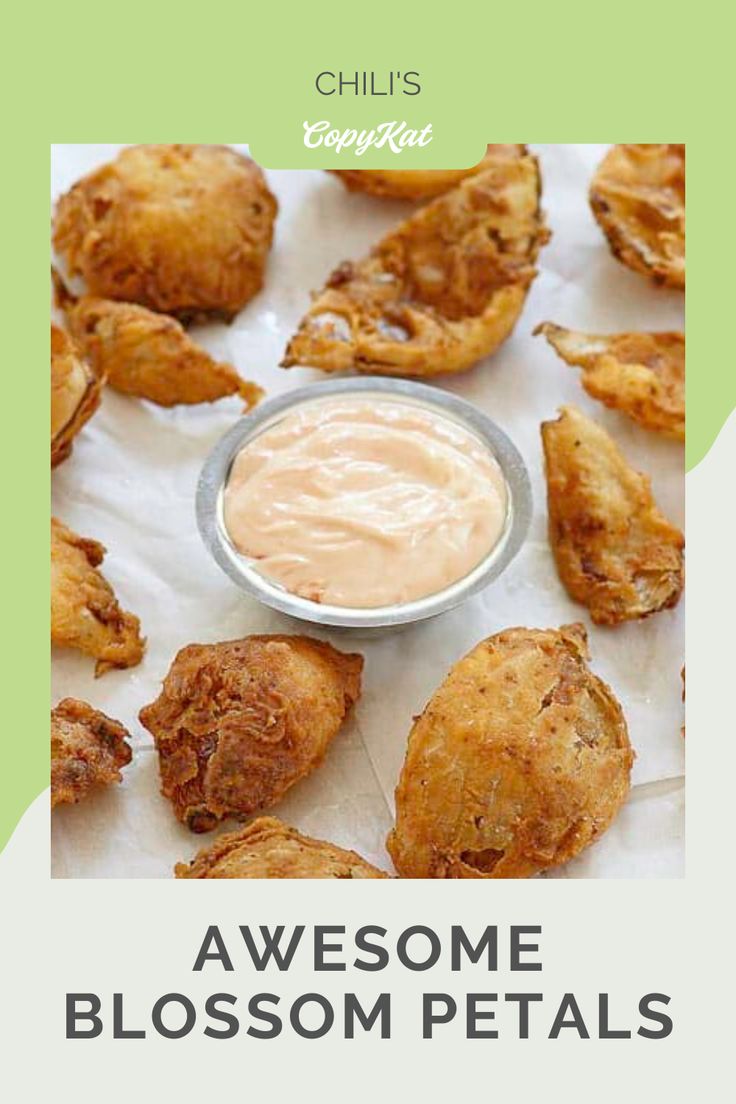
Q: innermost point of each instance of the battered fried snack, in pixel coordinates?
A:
(640, 374)
(267, 848)
(441, 291)
(520, 760)
(75, 394)
(177, 228)
(84, 610)
(238, 723)
(615, 552)
(638, 198)
(418, 183)
(147, 354)
(87, 749)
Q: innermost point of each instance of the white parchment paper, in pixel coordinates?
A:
(130, 484)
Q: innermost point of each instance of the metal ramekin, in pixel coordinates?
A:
(242, 570)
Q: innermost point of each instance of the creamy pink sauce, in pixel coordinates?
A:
(365, 502)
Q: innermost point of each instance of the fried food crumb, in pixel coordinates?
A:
(87, 750)
(520, 760)
(84, 610)
(638, 198)
(640, 374)
(238, 723)
(75, 393)
(149, 355)
(183, 229)
(418, 183)
(441, 291)
(267, 848)
(615, 551)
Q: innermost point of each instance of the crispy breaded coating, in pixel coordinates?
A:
(149, 355)
(268, 848)
(75, 394)
(87, 749)
(638, 198)
(520, 760)
(84, 610)
(184, 229)
(418, 183)
(615, 552)
(640, 374)
(440, 292)
(238, 723)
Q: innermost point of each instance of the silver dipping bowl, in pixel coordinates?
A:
(244, 571)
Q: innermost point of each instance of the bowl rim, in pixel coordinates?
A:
(216, 469)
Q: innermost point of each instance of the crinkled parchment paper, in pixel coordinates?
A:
(130, 483)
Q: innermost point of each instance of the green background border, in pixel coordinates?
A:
(165, 72)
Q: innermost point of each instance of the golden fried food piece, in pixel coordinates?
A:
(520, 760)
(238, 723)
(640, 374)
(177, 228)
(268, 848)
(84, 610)
(615, 552)
(638, 198)
(418, 183)
(441, 291)
(87, 749)
(149, 355)
(75, 394)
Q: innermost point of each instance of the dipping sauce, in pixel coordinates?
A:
(365, 502)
